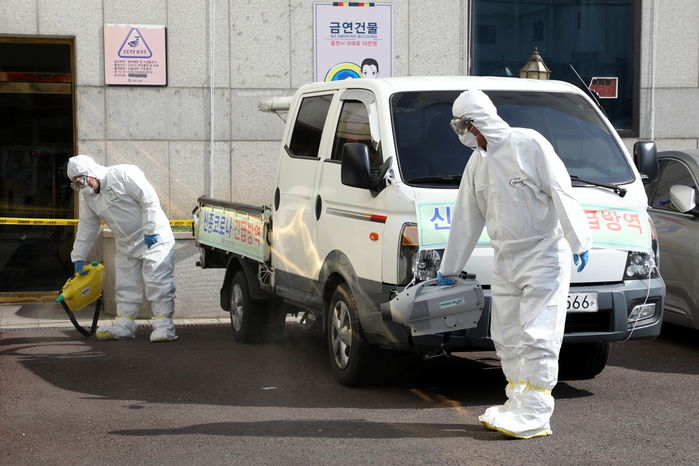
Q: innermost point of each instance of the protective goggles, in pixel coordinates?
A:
(79, 182)
(459, 125)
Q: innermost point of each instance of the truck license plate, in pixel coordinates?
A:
(582, 302)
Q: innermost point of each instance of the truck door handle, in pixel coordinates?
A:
(319, 206)
(277, 198)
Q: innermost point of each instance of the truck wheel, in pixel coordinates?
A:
(583, 360)
(247, 314)
(350, 354)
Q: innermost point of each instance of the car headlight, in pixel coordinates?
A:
(639, 266)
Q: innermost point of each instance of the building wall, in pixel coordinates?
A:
(264, 49)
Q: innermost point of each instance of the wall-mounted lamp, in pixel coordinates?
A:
(535, 68)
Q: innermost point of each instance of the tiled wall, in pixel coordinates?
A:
(266, 48)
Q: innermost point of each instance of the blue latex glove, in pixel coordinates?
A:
(582, 259)
(150, 240)
(444, 281)
(79, 267)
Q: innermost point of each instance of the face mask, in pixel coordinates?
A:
(468, 140)
(89, 190)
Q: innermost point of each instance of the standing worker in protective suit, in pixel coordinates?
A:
(516, 185)
(122, 197)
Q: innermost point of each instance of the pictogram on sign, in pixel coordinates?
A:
(134, 46)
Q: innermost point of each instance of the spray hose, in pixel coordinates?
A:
(78, 327)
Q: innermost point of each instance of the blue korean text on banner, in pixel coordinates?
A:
(434, 223)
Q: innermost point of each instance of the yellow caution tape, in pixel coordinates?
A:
(37, 221)
(64, 221)
(181, 223)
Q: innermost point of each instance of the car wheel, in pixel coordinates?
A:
(246, 313)
(583, 360)
(350, 354)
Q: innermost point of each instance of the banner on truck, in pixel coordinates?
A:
(232, 231)
(352, 40)
(611, 227)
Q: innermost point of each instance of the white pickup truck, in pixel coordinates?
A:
(367, 173)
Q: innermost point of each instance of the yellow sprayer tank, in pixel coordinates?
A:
(83, 289)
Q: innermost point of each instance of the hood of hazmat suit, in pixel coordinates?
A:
(84, 165)
(520, 189)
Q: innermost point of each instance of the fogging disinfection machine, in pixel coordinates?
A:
(427, 308)
(81, 290)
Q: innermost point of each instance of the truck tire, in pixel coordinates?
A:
(350, 353)
(583, 360)
(247, 314)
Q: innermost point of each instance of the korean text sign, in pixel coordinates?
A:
(352, 40)
(232, 231)
(611, 227)
(135, 55)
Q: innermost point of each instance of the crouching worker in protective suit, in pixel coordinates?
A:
(122, 197)
(516, 185)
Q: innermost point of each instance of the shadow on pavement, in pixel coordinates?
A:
(206, 366)
(675, 351)
(346, 428)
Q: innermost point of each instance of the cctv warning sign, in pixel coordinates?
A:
(135, 55)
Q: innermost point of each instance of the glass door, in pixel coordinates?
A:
(37, 136)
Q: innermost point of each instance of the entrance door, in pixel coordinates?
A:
(36, 139)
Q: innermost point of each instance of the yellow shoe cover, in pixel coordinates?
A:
(486, 422)
(163, 330)
(105, 335)
(507, 433)
(115, 332)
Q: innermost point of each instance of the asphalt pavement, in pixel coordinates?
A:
(206, 399)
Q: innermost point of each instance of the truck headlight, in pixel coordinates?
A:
(425, 264)
(412, 262)
(407, 249)
(640, 266)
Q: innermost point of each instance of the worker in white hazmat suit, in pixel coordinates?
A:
(516, 185)
(122, 197)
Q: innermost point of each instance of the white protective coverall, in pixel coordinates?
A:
(128, 203)
(521, 190)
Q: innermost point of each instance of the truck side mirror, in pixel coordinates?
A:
(355, 170)
(645, 157)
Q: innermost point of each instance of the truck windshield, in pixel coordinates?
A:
(429, 153)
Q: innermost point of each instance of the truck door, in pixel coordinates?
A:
(295, 257)
(350, 220)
